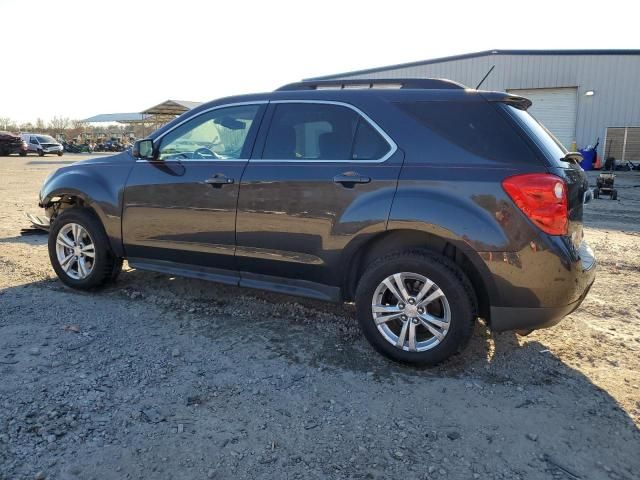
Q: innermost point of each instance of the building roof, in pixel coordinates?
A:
(162, 112)
(484, 53)
(172, 107)
(132, 117)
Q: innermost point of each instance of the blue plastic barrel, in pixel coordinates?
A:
(589, 157)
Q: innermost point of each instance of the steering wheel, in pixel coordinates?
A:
(203, 152)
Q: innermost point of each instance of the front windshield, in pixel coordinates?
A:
(45, 139)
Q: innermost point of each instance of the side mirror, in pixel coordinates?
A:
(144, 149)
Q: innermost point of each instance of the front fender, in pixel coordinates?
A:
(100, 187)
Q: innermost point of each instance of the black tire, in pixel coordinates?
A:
(59, 154)
(41, 153)
(106, 265)
(614, 194)
(23, 153)
(596, 193)
(447, 276)
(115, 272)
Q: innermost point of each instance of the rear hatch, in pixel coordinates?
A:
(555, 154)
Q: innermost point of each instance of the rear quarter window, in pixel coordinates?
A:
(476, 127)
(549, 144)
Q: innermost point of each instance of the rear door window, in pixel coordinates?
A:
(368, 143)
(477, 127)
(321, 132)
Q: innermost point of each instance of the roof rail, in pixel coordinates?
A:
(378, 83)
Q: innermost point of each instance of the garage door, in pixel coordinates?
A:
(556, 109)
(623, 144)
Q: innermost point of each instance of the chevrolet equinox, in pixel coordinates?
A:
(428, 204)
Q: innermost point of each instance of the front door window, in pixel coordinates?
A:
(219, 134)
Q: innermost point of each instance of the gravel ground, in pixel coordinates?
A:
(166, 378)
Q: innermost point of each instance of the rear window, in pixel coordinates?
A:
(543, 137)
(477, 127)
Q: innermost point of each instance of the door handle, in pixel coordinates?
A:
(218, 180)
(349, 179)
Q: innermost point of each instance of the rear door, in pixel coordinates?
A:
(325, 173)
(181, 208)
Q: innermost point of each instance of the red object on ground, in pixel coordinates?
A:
(597, 165)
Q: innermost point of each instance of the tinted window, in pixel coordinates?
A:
(219, 134)
(368, 144)
(547, 141)
(474, 126)
(307, 131)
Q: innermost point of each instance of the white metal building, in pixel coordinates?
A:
(580, 95)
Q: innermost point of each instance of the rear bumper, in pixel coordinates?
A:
(514, 318)
(538, 290)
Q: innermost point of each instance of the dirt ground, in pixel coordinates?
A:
(167, 378)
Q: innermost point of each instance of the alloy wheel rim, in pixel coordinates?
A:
(75, 251)
(411, 312)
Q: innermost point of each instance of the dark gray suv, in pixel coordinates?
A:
(426, 203)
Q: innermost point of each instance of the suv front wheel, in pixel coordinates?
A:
(416, 307)
(79, 250)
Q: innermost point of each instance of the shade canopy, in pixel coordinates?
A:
(157, 115)
(172, 107)
(133, 117)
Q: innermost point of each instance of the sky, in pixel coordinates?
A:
(80, 58)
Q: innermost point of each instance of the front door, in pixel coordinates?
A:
(325, 175)
(181, 208)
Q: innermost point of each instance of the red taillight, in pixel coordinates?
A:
(542, 197)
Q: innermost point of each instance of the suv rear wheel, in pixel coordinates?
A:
(79, 250)
(416, 307)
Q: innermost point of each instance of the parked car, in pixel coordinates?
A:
(74, 147)
(42, 144)
(113, 145)
(12, 143)
(425, 203)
